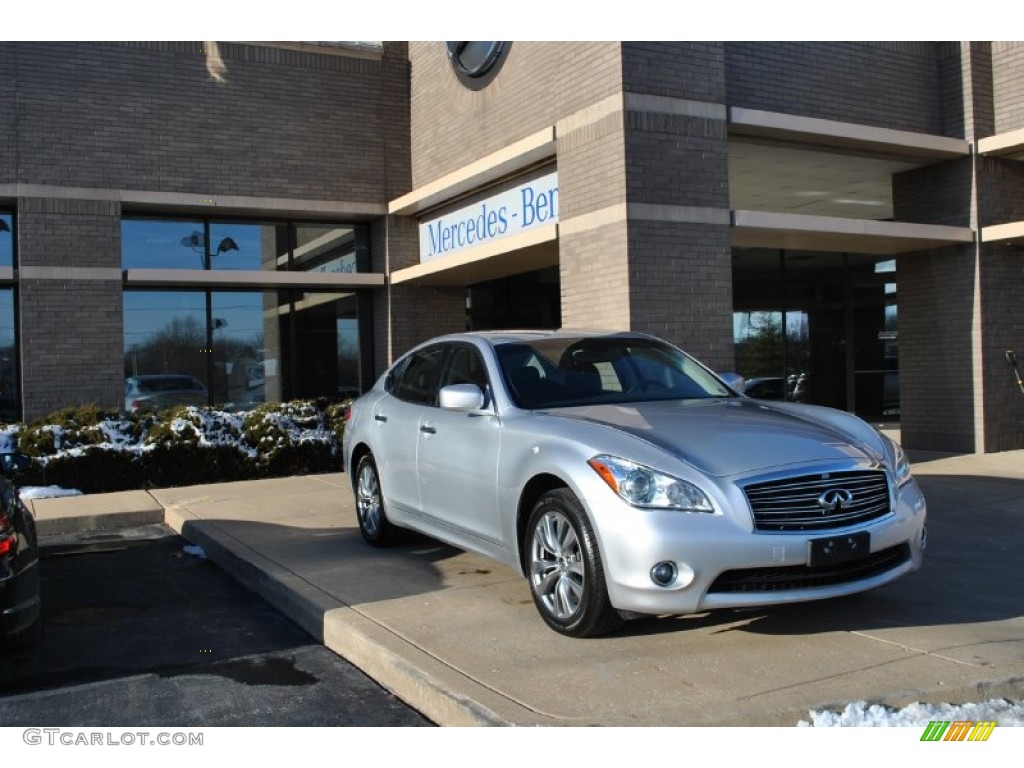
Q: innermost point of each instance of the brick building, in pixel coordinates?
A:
(835, 221)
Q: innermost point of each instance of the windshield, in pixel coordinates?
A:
(567, 371)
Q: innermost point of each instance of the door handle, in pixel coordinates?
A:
(380, 417)
(428, 429)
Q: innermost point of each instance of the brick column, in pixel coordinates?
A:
(960, 306)
(70, 304)
(644, 198)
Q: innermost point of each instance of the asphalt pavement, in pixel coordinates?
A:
(457, 637)
(140, 630)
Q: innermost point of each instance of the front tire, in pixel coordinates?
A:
(564, 568)
(374, 525)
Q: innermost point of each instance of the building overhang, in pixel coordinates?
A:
(846, 136)
(331, 282)
(163, 203)
(497, 165)
(758, 229)
(534, 249)
(1009, 145)
(1002, 233)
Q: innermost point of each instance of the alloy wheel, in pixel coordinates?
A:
(368, 502)
(557, 569)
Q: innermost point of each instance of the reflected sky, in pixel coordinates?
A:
(6, 240)
(180, 244)
(149, 312)
(6, 317)
(150, 244)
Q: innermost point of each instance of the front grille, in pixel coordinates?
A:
(788, 577)
(794, 504)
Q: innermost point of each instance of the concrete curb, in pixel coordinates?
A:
(73, 514)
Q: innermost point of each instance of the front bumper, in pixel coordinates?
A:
(723, 563)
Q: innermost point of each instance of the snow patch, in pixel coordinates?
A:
(860, 714)
(46, 492)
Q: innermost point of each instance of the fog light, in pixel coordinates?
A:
(663, 574)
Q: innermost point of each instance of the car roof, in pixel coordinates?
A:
(163, 377)
(495, 338)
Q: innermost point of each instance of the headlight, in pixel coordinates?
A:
(644, 487)
(902, 466)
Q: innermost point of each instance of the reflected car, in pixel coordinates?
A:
(20, 622)
(623, 478)
(155, 392)
(766, 388)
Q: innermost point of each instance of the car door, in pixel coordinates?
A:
(410, 393)
(457, 459)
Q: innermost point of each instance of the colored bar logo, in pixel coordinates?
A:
(958, 730)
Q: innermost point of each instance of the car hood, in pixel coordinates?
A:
(729, 436)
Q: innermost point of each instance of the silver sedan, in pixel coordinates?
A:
(624, 478)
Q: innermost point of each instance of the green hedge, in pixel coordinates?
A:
(97, 451)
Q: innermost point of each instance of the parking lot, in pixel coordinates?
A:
(457, 636)
(138, 632)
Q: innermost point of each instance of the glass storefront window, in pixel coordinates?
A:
(267, 246)
(818, 328)
(325, 249)
(243, 347)
(248, 246)
(165, 345)
(159, 244)
(6, 240)
(10, 408)
(320, 334)
(240, 353)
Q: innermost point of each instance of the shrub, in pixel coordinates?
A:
(96, 451)
(335, 414)
(70, 428)
(91, 470)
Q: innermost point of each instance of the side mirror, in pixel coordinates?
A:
(461, 397)
(11, 463)
(735, 381)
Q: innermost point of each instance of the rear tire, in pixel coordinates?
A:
(564, 568)
(374, 525)
(29, 637)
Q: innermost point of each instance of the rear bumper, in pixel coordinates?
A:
(19, 600)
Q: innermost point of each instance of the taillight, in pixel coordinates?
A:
(348, 414)
(8, 541)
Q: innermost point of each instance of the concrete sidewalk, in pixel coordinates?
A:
(457, 636)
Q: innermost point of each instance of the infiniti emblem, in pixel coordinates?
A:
(834, 500)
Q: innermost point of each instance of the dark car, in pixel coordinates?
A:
(20, 623)
(766, 388)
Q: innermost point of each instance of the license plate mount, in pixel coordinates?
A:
(835, 550)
